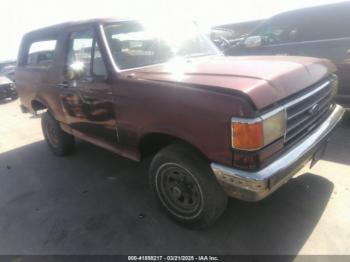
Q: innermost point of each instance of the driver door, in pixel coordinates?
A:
(87, 98)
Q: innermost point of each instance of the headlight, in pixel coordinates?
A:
(253, 134)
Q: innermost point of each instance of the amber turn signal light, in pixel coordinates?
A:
(247, 136)
(253, 134)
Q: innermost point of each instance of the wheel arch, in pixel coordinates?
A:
(152, 143)
(38, 104)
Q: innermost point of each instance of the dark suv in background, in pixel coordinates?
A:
(322, 31)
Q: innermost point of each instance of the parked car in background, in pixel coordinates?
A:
(227, 35)
(7, 88)
(7, 68)
(222, 37)
(216, 126)
(322, 31)
(7, 63)
(9, 71)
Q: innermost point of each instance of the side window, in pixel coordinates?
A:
(84, 50)
(41, 53)
(279, 31)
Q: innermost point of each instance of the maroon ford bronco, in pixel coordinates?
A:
(217, 126)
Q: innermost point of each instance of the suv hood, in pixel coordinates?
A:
(265, 79)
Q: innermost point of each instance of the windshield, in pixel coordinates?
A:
(133, 44)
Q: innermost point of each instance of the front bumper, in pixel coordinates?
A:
(254, 186)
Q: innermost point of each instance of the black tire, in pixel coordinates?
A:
(186, 187)
(59, 141)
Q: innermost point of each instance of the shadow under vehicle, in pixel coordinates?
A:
(92, 203)
(321, 31)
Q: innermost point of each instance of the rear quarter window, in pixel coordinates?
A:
(40, 53)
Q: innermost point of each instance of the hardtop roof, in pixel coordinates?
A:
(54, 29)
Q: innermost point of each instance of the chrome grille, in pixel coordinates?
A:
(308, 111)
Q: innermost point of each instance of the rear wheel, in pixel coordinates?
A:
(186, 187)
(59, 141)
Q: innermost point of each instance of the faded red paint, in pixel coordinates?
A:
(190, 99)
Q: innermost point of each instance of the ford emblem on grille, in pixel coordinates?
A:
(314, 109)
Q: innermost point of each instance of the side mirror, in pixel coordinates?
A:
(252, 42)
(76, 70)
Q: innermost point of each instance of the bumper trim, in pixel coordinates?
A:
(254, 186)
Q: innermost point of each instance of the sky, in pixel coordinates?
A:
(20, 16)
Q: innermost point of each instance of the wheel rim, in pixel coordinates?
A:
(179, 190)
(51, 134)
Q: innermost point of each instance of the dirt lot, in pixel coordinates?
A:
(95, 202)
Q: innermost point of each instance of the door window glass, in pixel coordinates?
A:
(84, 51)
(80, 50)
(98, 66)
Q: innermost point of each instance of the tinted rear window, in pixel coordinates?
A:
(330, 22)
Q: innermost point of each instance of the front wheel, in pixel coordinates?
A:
(186, 187)
(59, 141)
